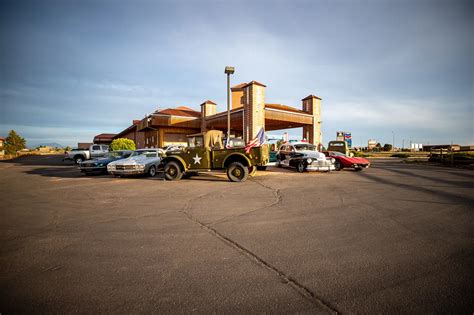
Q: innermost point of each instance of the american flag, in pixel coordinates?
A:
(258, 141)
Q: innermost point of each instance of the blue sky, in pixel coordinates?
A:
(72, 69)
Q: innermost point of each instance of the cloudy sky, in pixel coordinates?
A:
(72, 69)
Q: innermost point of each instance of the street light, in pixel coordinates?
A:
(228, 70)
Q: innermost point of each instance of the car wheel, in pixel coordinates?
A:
(300, 168)
(236, 172)
(152, 171)
(262, 168)
(78, 159)
(252, 171)
(337, 165)
(173, 171)
(278, 163)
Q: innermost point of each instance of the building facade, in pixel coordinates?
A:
(249, 113)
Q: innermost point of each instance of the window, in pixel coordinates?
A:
(96, 147)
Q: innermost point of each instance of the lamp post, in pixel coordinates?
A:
(228, 70)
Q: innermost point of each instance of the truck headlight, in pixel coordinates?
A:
(309, 160)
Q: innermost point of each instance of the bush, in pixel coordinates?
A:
(400, 155)
(360, 154)
(122, 144)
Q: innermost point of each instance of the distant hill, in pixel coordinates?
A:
(45, 144)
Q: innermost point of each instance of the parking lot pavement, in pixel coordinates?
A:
(393, 238)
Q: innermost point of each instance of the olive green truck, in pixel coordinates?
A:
(205, 152)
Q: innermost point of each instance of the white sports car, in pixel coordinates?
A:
(142, 161)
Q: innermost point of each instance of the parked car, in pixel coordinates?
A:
(99, 166)
(80, 155)
(344, 161)
(173, 147)
(303, 156)
(142, 161)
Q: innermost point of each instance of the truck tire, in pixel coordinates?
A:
(78, 159)
(252, 170)
(173, 171)
(152, 171)
(237, 172)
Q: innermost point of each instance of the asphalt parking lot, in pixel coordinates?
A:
(396, 238)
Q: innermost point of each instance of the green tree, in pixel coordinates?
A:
(14, 143)
(122, 144)
(387, 147)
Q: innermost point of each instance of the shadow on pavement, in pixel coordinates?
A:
(444, 194)
(52, 160)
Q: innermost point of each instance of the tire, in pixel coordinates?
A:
(237, 172)
(338, 166)
(78, 159)
(173, 171)
(300, 167)
(262, 168)
(278, 163)
(152, 171)
(252, 170)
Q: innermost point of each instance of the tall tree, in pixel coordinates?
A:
(14, 142)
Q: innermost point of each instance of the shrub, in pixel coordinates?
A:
(400, 155)
(122, 144)
(360, 154)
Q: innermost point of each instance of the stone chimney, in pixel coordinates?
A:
(208, 108)
(312, 105)
(237, 95)
(254, 109)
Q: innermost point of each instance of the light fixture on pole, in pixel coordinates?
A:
(228, 71)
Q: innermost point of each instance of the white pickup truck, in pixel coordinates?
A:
(79, 155)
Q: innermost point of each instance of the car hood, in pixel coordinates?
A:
(135, 160)
(313, 154)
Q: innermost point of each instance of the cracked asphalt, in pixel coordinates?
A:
(396, 238)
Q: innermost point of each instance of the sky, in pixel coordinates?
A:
(399, 69)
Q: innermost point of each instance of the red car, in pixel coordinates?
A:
(344, 161)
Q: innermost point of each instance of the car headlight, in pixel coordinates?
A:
(111, 167)
(309, 160)
(100, 164)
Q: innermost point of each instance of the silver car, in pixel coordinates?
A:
(142, 161)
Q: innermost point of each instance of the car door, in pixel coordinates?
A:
(95, 151)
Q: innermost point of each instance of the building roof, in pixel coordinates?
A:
(285, 108)
(254, 82)
(179, 111)
(105, 136)
(3, 139)
(209, 102)
(238, 86)
(311, 96)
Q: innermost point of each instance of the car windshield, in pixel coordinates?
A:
(117, 154)
(147, 153)
(337, 153)
(305, 147)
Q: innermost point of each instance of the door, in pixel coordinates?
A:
(198, 158)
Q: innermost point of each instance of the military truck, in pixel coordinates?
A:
(206, 152)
